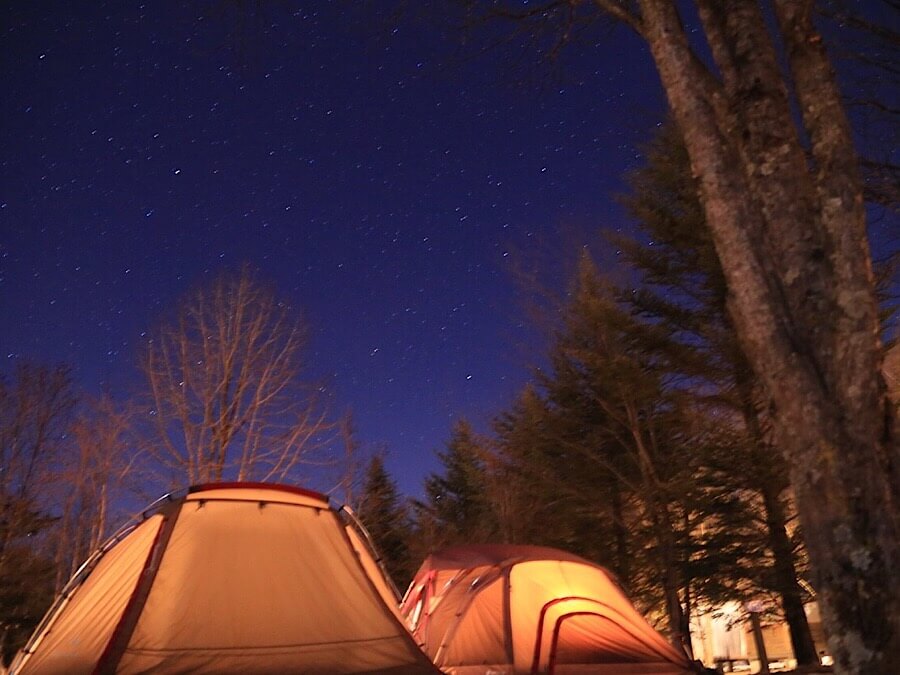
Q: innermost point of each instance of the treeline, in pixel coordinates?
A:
(64, 461)
(785, 164)
(223, 396)
(645, 444)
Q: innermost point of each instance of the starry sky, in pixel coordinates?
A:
(387, 181)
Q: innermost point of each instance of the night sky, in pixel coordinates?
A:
(387, 186)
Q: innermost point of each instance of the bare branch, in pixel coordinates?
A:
(232, 403)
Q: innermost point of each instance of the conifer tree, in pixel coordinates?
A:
(598, 357)
(683, 290)
(458, 507)
(559, 490)
(386, 518)
(613, 449)
(753, 92)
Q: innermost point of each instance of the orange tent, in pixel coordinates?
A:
(527, 609)
(229, 578)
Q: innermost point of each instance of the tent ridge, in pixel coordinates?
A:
(248, 485)
(262, 502)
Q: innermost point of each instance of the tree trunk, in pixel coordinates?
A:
(687, 603)
(771, 482)
(786, 580)
(623, 558)
(793, 249)
(665, 546)
(656, 505)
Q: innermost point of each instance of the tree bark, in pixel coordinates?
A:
(664, 530)
(786, 579)
(793, 249)
(623, 558)
(771, 482)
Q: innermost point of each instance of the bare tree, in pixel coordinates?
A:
(224, 378)
(100, 459)
(352, 463)
(35, 410)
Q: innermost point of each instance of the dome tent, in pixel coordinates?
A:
(228, 578)
(509, 610)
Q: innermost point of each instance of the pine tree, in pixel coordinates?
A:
(386, 518)
(612, 449)
(684, 290)
(598, 354)
(458, 507)
(556, 491)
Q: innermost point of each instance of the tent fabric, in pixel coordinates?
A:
(236, 578)
(528, 609)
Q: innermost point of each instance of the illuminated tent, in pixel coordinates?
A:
(528, 609)
(229, 578)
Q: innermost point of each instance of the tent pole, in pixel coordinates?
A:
(507, 616)
(124, 629)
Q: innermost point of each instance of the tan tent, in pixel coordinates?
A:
(528, 609)
(229, 578)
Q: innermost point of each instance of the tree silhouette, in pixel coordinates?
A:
(384, 513)
(227, 399)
